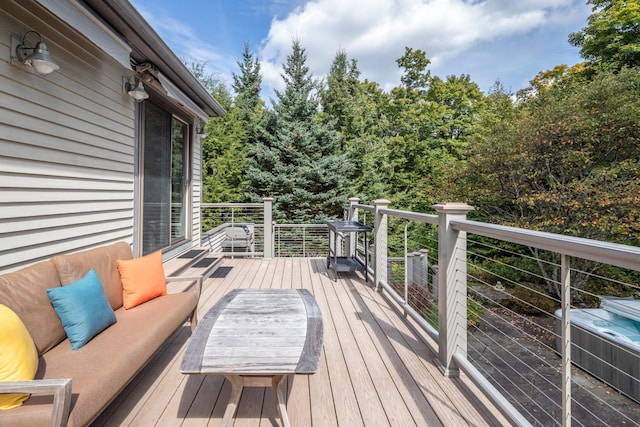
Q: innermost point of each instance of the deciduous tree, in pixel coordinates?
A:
(223, 149)
(612, 35)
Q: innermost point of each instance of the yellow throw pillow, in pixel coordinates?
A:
(142, 279)
(18, 355)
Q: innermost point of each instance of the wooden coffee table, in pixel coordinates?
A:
(255, 338)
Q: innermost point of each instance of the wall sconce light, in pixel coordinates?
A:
(135, 89)
(37, 57)
(201, 132)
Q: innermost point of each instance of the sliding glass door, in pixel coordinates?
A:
(179, 135)
(165, 151)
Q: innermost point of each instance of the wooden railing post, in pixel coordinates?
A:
(353, 210)
(424, 268)
(380, 240)
(351, 240)
(411, 268)
(268, 227)
(452, 286)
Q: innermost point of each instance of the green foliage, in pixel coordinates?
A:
(296, 159)
(338, 97)
(561, 156)
(224, 158)
(475, 310)
(564, 161)
(611, 39)
(462, 100)
(247, 85)
(421, 300)
(557, 78)
(430, 121)
(414, 63)
(208, 81)
(223, 149)
(354, 109)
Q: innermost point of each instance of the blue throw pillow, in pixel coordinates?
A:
(82, 308)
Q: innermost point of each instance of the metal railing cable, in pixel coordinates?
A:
(486, 271)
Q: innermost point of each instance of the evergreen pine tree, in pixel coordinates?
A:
(296, 159)
(247, 87)
(338, 97)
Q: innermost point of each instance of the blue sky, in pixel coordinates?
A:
(506, 40)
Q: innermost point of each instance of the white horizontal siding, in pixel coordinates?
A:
(66, 145)
(57, 182)
(45, 251)
(25, 217)
(196, 188)
(67, 153)
(57, 113)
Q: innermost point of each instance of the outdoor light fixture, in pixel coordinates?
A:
(136, 89)
(201, 131)
(37, 57)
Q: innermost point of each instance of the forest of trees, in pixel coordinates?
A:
(561, 155)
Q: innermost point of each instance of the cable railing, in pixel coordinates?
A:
(522, 290)
(519, 342)
(234, 228)
(300, 240)
(524, 314)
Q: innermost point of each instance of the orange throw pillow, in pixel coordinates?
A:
(142, 279)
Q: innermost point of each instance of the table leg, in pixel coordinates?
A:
(276, 381)
(234, 399)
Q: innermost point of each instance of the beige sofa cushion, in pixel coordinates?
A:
(74, 266)
(104, 366)
(25, 292)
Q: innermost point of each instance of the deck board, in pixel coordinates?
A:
(376, 368)
(345, 402)
(371, 407)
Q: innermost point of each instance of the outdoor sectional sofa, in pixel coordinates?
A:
(79, 384)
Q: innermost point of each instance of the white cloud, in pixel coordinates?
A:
(375, 33)
(187, 44)
(510, 40)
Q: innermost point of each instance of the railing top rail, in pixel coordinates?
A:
(279, 225)
(604, 252)
(413, 216)
(232, 205)
(364, 207)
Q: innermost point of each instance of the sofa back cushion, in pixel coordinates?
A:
(75, 266)
(25, 292)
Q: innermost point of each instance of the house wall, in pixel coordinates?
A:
(196, 186)
(67, 145)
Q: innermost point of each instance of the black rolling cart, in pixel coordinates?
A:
(349, 262)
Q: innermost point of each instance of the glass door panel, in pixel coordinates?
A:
(178, 180)
(157, 168)
(165, 172)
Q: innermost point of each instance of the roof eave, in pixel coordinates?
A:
(149, 47)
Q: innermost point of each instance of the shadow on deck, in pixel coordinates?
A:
(376, 369)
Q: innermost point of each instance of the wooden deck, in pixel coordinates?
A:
(375, 370)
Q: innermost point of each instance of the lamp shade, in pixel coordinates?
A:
(40, 59)
(137, 92)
